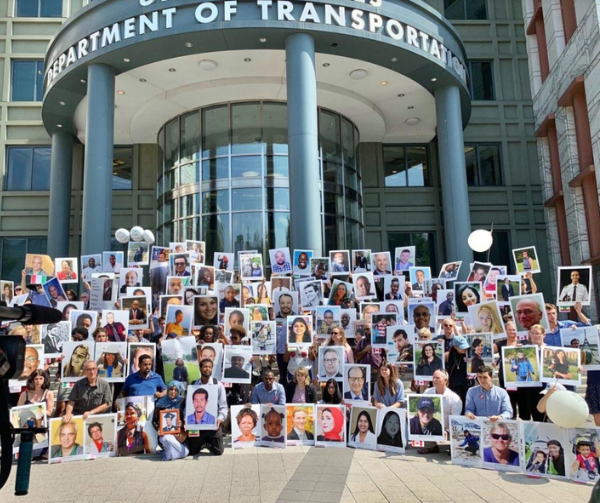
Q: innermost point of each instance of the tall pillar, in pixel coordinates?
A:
(97, 180)
(59, 222)
(303, 142)
(453, 172)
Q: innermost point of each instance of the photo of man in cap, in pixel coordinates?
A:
(168, 425)
(423, 423)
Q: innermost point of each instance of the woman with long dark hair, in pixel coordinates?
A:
(364, 432)
(331, 393)
(391, 431)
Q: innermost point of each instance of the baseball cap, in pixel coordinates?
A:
(426, 403)
(460, 342)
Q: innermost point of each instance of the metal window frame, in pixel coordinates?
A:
(477, 146)
(471, 90)
(427, 182)
(35, 86)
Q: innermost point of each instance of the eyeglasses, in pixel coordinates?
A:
(179, 263)
(355, 379)
(31, 359)
(504, 437)
(330, 360)
(527, 312)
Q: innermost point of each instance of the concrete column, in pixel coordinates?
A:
(303, 140)
(59, 221)
(453, 172)
(99, 136)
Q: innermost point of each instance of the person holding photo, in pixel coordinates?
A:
(500, 452)
(301, 390)
(552, 337)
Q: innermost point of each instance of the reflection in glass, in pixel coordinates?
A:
(188, 205)
(278, 199)
(216, 201)
(189, 228)
(215, 131)
(247, 231)
(245, 128)
(416, 160)
(246, 166)
(329, 131)
(215, 169)
(277, 166)
(279, 229)
(215, 232)
(190, 173)
(246, 199)
(190, 137)
(275, 128)
(172, 143)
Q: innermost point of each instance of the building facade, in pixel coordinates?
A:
(562, 46)
(194, 158)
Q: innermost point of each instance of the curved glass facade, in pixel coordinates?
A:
(225, 179)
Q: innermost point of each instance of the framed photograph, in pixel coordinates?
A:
(404, 258)
(299, 330)
(237, 367)
(417, 276)
(521, 366)
(501, 445)
(38, 268)
(361, 260)
(364, 285)
(25, 416)
(285, 304)
(561, 365)
(391, 430)
(545, 448)
(170, 422)
(245, 426)
(486, 317)
(331, 363)
(428, 357)
(467, 294)
(100, 439)
(465, 441)
(339, 262)
(327, 318)
(180, 359)
(54, 336)
(480, 352)
(178, 322)
(581, 451)
(54, 292)
(206, 310)
(76, 354)
(84, 319)
(425, 418)
(300, 424)
(66, 269)
(137, 349)
(381, 263)
(251, 266)
(264, 337)
(363, 424)
(450, 270)
(273, 421)
(529, 310)
(214, 352)
(586, 340)
(281, 263)
(110, 358)
(197, 250)
(357, 383)
(331, 426)
(66, 440)
(224, 261)
(574, 285)
(526, 260)
(136, 309)
(201, 407)
(311, 295)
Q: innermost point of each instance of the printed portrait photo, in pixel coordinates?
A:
(66, 269)
(205, 276)
(357, 383)
(180, 359)
(529, 310)
(381, 263)
(251, 266)
(465, 441)
(327, 318)
(361, 260)
(214, 352)
(302, 262)
(112, 261)
(201, 407)
(76, 354)
(169, 300)
(34, 359)
(404, 258)
(466, 294)
(66, 440)
(574, 285)
(223, 261)
(137, 349)
(331, 426)
(363, 423)
(393, 287)
(237, 367)
(130, 278)
(428, 357)
(179, 264)
(54, 336)
(264, 337)
(206, 310)
(450, 270)
(364, 285)
(331, 363)
(425, 418)
(417, 277)
(237, 318)
(526, 260)
(196, 249)
(178, 322)
(110, 358)
(170, 423)
(486, 317)
(391, 430)
(545, 450)
(479, 272)
(341, 294)
(379, 325)
(299, 330)
(245, 426)
(311, 294)
(445, 304)
(84, 319)
(583, 452)
(339, 262)
(38, 268)
(586, 340)
(100, 439)
(54, 292)
(273, 420)
(319, 268)
(281, 263)
(25, 416)
(136, 309)
(137, 254)
(507, 286)
(177, 284)
(136, 434)
(300, 424)
(422, 314)
(501, 445)
(521, 366)
(7, 288)
(285, 303)
(480, 352)
(561, 365)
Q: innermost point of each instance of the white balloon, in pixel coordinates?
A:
(567, 409)
(148, 236)
(122, 235)
(137, 233)
(480, 240)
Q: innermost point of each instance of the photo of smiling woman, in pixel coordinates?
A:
(391, 430)
(466, 294)
(76, 355)
(131, 438)
(499, 440)
(331, 425)
(363, 436)
(206, 310)
(299, 330)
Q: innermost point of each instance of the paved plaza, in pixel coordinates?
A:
(293, 474)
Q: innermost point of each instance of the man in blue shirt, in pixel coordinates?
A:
(144, 382)
(552, 337)
(269, 392)
(201, 416)
(487, 400)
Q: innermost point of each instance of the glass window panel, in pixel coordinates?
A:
(454, 9)
(168, 234)
(476, 9)
(278, 199)
(489, 165)
(246, 199)
(351, 180)
(39, 82)
(416, 160)
(122, 168)
(333, 173)
(169, 210)
(216, 201)
(356, 143)
(160, 186)
(172, 143)
(278, 225)
(482, 80)
(215, 131)
(247, 231)
(13, 251)
(190, 173)
(394, 163)
(170, 180)
(41, 168)
(500, 252)
(424, 244)
(159, 213)
(245, 129)
(246, 166)
(27, 8)
(189, 228)
(334, 203)
(50, 8)
(24, 79)
(190, 137)
(277, 166)
(215, 232)
(18, 175)
(334, 233)
(352, 209)
(275, 128)
(347, 142)
(352, 234)
(215, 169)
(37, 245)
(329, 132)
(471, 163)
(188, 205)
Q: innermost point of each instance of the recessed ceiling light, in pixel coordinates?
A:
(59, 125)
(434, 79)
(411, 108)
(142, 80)
(401, 95)
(207, 64)
(413, 121)
(83, 81)
(127, 60)
(393, 60)
(120, 92)
(172, 70)
(262, 39)
(188, 44)
(62, 103)
(247, 60)
(384, 83)
(326, 65)
(358, 74)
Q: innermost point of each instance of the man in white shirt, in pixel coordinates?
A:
(575, 291)
(90, 269)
